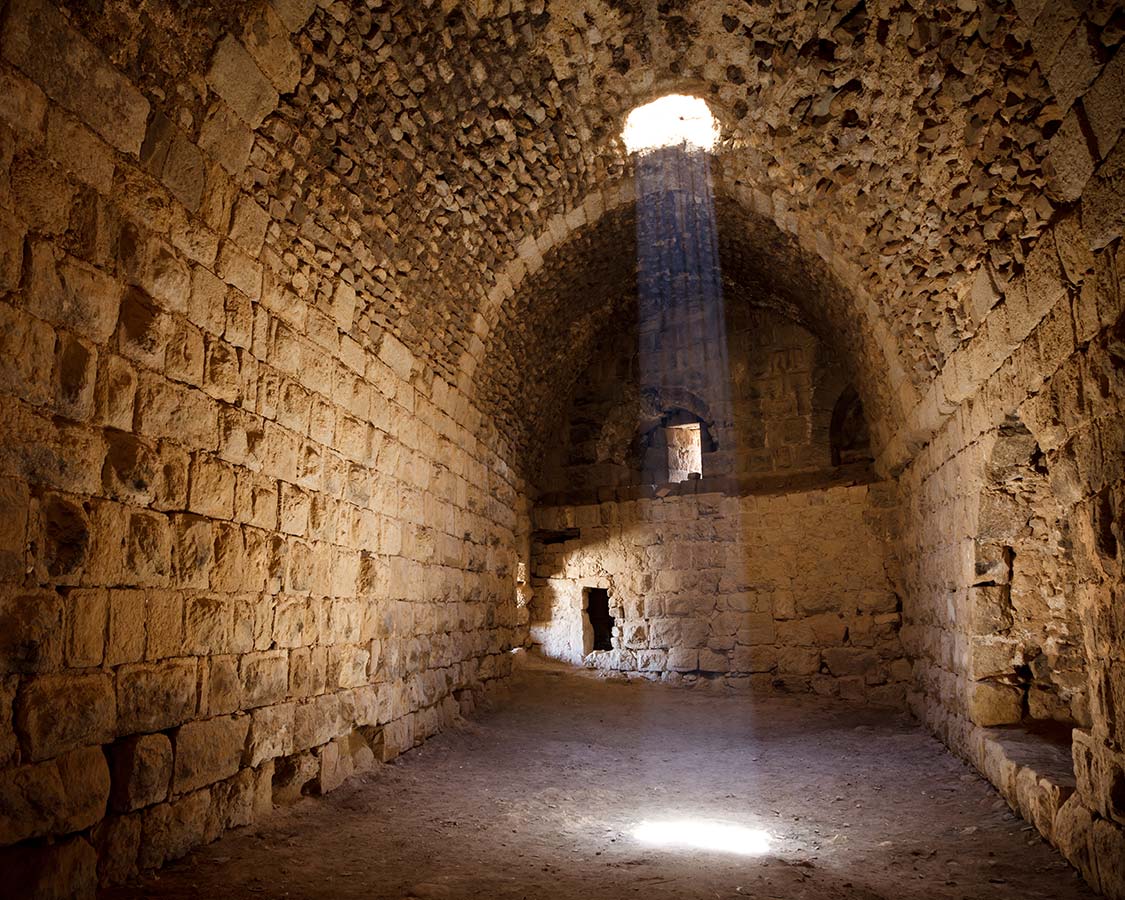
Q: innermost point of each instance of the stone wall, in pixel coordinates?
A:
(1051, 367)
(771, 417)
(242, 555)
(787, 592)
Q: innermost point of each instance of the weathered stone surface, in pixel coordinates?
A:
(236, 79)
(61, 796)
(142, 771)
(170, 830)
(154, 696)
(208, 751)
(30, 632)
(271, 733)
(73, 72)
(55, 713)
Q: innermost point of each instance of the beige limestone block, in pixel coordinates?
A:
(154, 696)
(86, 616)
(56, 797)
(208, 751)
(235, 77)
(142, 771)
(265, 678)
(72, 293)
(31, 635)
(170, 830)
(56, 713)
(994, 704)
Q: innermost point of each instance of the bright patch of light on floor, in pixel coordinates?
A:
(704, 835)
(670, 122)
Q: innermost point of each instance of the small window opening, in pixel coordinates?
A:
(675, 120)
(597, 611)
(685, 451)
(849, 439)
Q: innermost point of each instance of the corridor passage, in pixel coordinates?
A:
(579, 787)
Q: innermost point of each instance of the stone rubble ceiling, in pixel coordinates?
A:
(421, 143)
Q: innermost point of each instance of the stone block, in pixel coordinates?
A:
(222, 687)
(56, 713)
(265, 678)
(396, 355)
(850, 660)
(184, 172)
(994, 704)
(294, 777)
(212, 487)
(237, 79)
(22, 105)
(118, 841)
(28, 344)
(81, 152)
(65, 870)
(753, 659)
(31, 635)
(1103, 201)
(335, 766)
(683, 659)
(294, 13)
(167, 410)
(148, 556)
(192, 551)
(1069, 162)
(115, 392)
(226, 138)
(70, 70)
(251, 796)
(56, 797)
(316, 722)
(152, 697)
(1108, 844)
(208, 751)
(798, 660)
(171, 830)
(271, 733)
(126, 637)
(71, 293)
(141, 770)
(1105, 105)
(86, 615)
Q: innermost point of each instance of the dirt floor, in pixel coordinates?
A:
(578, 787)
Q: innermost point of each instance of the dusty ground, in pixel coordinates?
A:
(541, 799)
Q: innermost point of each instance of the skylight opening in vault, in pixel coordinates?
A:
(672, 121)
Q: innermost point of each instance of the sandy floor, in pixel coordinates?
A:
(575, 786)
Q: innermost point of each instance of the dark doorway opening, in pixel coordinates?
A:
(597, 611)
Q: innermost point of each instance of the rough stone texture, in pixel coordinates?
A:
(291, 318)
(788, 592)
(142, 770)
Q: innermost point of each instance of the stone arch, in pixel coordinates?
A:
(596, 239)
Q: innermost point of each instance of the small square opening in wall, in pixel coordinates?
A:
(685, 451)
(597, 611)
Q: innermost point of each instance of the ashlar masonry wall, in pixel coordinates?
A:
(241, 554)
(774, 592)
